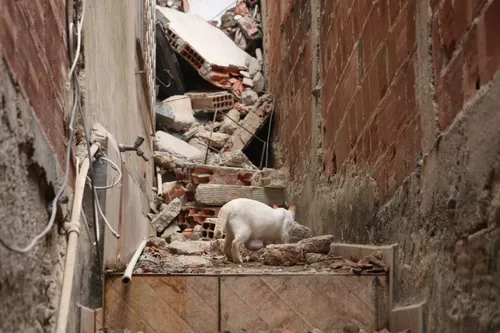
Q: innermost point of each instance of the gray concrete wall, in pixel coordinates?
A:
(115, 98)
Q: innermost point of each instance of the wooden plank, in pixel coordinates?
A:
(218, 195)
(156, 303)
(298, 302)
(87, 320)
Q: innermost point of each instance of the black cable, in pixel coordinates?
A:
(91, 172)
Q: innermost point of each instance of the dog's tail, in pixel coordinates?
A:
(220, 225)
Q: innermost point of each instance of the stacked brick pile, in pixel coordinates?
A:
(194, 192)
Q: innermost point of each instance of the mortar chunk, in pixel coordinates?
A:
(318, 244)
(283, 255)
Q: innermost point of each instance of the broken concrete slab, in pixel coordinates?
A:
(211, 101)
(171, 230)
(253, 65)
(318, 244)
(214, 139)
(236, 159)
(247, 82)
(283, 255)
(230, 122)
(197, 143)
(175, 113)
(259, 82)
(252, 122)
(249, 97)
(166, 216)
(189, 248)
(242, 136)
(164, 142)
(299, 232)
(190, 133)
(270, 178)
(218, 195)
(209, 50)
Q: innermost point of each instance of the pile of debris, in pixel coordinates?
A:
(188, 254)
(201, 133)
(243, 24)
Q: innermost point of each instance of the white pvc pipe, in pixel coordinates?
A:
(73, 236)
(127, 276)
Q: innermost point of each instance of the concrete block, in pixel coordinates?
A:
(318, 244)
(165, 142)
(249, 97)
(218, 195)
(175, 113)
(230, 122)
(211, 101)
(166, 216)
(270, 178)
(283, 255)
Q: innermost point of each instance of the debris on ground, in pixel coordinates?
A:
(186, 256)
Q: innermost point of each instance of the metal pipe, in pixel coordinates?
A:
(159, 181)
(73, 236)
(127, 276)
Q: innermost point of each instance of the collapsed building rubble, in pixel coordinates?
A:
(202, 133)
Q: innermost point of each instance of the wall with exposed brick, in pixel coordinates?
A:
(33, 42)
(387, 121)
(34, 104)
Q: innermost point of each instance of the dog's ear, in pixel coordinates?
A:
(275, 206)
(292, 208)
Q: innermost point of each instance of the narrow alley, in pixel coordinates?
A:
(260, 166)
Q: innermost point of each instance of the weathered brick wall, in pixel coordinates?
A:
(400, 143)
(290, 74)
(33, 43)
(368, 77)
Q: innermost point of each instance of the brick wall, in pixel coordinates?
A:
(33, 43)
(290, 74)
(368, 66)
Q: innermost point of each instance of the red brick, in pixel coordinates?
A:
(364, 10)
(435, 5)
(471, 52)
(492, 42)
(398, 43)
(342, 144)
(474, 7)
(381, 66)
(436, 46)
(358, 99)
(450, 93)
(394, 7)
(366, 54)
(365, 138)
(353, 126)
(375, 147)
(410, 82)
(380, 25)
